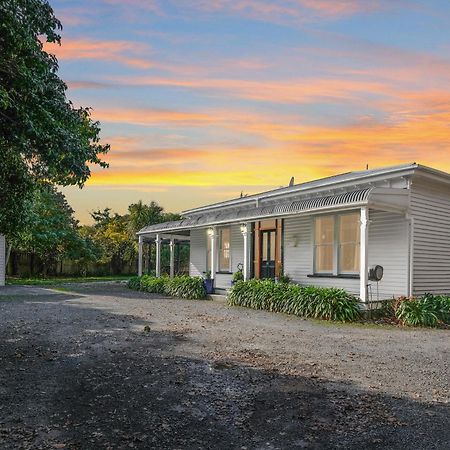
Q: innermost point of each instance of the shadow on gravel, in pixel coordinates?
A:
(80, 378)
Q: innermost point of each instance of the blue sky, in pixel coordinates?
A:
(201, 100)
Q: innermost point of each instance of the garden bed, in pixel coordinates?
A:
(338, 305)
(192, 288)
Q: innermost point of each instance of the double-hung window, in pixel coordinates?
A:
(349, 241)
(224, 250)
(337, 244)
(208, 253)
(324, 244)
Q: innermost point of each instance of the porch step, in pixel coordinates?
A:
(218, 297)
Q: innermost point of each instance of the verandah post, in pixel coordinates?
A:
(363, 260)
(158, 255)
(245, 233)
(213, 237)
(172, 257)
(140, 254)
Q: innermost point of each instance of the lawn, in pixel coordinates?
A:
(55, 281)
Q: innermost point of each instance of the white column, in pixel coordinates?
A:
(363, 260)
(140, 254)
(246, 234)
(172, 257)
(158, 255)
(213, 237)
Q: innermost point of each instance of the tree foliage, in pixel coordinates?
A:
(50, 231)
(43, 136)
(115, 234)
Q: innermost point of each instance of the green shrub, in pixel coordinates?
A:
(183, 286)
(415, 312)
(319, 303)
(186, 287)
(440, 305)
(154, 285)
(426, 311)
(134, 283)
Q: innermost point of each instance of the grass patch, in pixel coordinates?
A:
(55, 281)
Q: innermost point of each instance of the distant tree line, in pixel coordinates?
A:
(51, 241)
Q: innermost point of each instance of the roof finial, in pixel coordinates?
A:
(291, 183)
(367, 166)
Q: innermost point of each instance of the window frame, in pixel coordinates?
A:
(221, 269)
(208, 253)
(336, 245)
(315, 245)
(339, 244)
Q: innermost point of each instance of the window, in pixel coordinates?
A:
(336, 244)
(349, 238)
(208, 252)
(224, 250)
(324, 244)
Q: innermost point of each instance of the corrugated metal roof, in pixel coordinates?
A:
(248, 214)
(334, 179)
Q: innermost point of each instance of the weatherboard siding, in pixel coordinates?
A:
(388, 246)
(197, 259)
(298, 256)
(430, 209)
(197, 266)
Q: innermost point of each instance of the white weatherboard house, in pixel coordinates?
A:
(327, 232)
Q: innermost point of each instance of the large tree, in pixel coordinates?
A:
(43, 136)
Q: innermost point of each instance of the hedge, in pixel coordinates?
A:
(304, 301)
(182, 286)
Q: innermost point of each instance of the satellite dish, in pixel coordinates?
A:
(376, 272)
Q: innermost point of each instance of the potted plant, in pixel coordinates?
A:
(238, 275)
(209, 283)
(282, 277)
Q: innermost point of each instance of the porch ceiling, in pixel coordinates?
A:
(389, 199)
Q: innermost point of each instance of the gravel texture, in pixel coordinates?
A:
(98, 366)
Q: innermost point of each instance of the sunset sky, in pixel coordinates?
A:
(203, 99)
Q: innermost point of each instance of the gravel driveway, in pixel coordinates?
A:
(100, 367)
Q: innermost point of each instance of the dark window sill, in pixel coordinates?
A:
(326, 275)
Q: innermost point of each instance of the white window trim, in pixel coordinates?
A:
(323, 272)
(336, 246)
(208, 259)
(338, 243)
(219, 250)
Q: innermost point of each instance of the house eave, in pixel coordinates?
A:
(395, 200)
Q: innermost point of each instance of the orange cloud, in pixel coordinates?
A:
(301, 149)
(115, 51)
